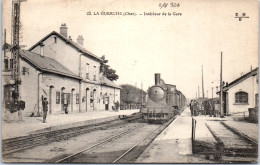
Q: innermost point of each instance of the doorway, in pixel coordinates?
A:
(72, 97)
(50, 99)
(106, 103)
(94, 99)
(87, 93)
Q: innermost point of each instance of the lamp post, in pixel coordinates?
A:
(221, 89)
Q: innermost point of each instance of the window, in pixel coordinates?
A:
(95, 77)
(241, 98)
(57, 97)
(11, 64)
(6, 64)
(77, 98)
(87, 71)
(55, 39)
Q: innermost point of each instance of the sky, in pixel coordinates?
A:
(139, 46)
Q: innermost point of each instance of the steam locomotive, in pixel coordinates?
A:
(163, 102)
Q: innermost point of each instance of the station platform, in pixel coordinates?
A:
(174, 144)
(31, 125)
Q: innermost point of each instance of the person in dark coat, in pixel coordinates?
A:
(191, 107)
(45, 109)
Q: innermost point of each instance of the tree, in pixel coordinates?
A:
(131, 94)
(107, 71)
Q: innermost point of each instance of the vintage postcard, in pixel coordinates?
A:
(129, 81)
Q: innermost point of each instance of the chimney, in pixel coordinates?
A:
(64, 30)
(157, 78)
(42, 49)
(80, 40)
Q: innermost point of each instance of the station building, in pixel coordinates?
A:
(241, 94)
(66, 74)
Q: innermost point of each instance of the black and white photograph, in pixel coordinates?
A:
(129, 81)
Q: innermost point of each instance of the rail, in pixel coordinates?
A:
(25, 142)
(219, 149)
(93, 146)
(243, 136)
(150, 136)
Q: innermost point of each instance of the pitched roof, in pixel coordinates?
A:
(240, 79)
(72, 43)
(105, 81)
(47, 64)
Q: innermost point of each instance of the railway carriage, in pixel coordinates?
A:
(164, 101)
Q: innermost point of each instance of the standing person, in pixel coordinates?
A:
(15, 107)
(45, 109)
(191, 107)
(195, 108)
(210, 109)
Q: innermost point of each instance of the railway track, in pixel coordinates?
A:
(13, 145)
(124, 147)
(230, 142)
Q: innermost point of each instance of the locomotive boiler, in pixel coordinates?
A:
(163, 102)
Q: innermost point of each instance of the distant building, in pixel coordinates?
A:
(241, 94)
(66, 73)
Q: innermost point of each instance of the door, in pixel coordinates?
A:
(50, 100)
(72, 102)
(106, 103)
(66, 102)
(227, 104)
(94, 99)
(87, 99)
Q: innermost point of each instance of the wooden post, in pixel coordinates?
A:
(221, 90)
(202, 83)
(198, 91)
(192, 133)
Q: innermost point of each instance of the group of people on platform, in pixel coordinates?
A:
(205, 108)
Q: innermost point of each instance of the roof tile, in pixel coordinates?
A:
(47, 64)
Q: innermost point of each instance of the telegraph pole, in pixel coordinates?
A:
(15, 49)
(142, 93)
(18, 104)
(221, 90)
(198, 91)
(202, 83)
(4, 44)
(15, 44)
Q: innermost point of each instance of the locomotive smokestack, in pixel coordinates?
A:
(157, 77)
